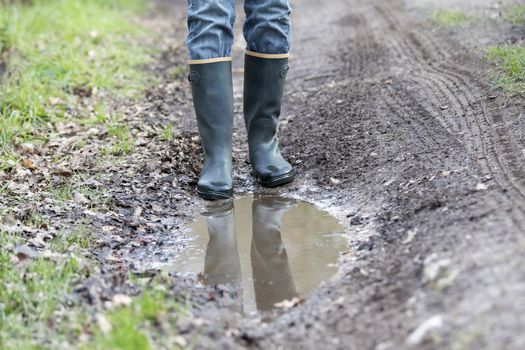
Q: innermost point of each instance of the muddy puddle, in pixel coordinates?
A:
(270, 248)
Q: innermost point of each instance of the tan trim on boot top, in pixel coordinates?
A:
(267, 55)
(211, 60)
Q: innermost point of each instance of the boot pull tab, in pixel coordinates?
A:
(284, 71)
(194, 77)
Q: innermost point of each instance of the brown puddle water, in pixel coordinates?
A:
(271, 248)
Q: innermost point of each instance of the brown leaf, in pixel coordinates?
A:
(62, 171)
(40, 240)
(28, 148)
(24, 252)
(27, 163)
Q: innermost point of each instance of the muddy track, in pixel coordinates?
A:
(428, 167)
(403, 116)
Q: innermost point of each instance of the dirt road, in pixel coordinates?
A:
(393, 127)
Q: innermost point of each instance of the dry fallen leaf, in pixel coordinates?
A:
(24, 252)
(481, 187)
(55, 101)
(157, 208)
(121, 300)
(288, 304)
(62, 171)
(18, 188)
(103, 323)
(80, 198)
(27, 163)
(28, 148)
(136, 217)
(335, 181)
(40, 240)
(137, 213)
(108, 228)
(180, 341)
(410, 236)
(423, 331)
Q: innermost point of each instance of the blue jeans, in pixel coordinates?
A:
(267, 28)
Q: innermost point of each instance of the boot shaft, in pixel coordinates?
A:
(263, 93)
(212, 90)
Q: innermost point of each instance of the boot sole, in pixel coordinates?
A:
(214, 195)
(277, 181)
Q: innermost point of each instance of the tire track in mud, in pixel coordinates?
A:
(360, 71)
(479, 136)
(361, 75)
(453, 85)
(450, 83)
(430, 94)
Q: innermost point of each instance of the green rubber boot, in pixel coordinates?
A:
(211, 86)
(263, 93)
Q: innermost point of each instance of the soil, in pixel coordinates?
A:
(392, 126)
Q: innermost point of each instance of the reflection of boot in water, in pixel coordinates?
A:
(273, 279)
(222, 264)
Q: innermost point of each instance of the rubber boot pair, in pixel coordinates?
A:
(213, 100)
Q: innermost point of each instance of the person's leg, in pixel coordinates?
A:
(267, 32)
(210, 25)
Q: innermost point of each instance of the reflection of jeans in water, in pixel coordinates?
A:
(210, 27)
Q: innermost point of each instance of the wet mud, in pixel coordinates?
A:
(395, 131)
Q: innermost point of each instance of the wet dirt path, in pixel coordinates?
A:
(431, 158)
(428, 162)
(392, 129)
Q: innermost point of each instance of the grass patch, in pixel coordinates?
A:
(80, 144)
(178, 72)
(511, 61)
(62, 193)
(125, 324)
(98, 199)
(58, 50)
(69, 61)
(36, 220)
(122, 140)
(450, 18)
(79, 237)
(31, 294)
(167, 132)
(38, 309)
(515, 14)
(142, 325)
